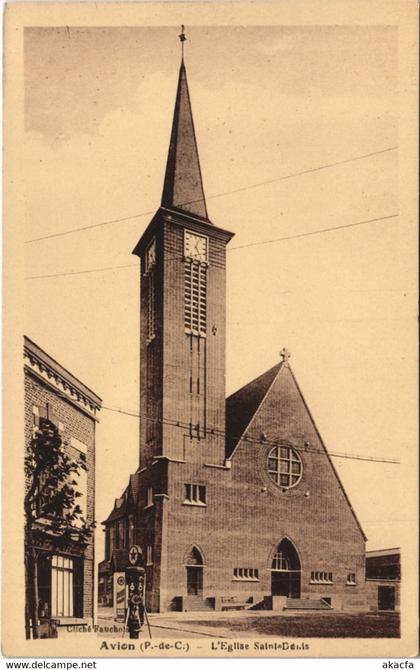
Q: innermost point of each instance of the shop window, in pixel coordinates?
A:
(62, 586)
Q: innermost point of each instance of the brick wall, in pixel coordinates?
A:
(166, 361)
(151, 352)
(181, 353)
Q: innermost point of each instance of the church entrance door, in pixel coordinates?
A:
(285, 571)
(195, 568)
(194, 580)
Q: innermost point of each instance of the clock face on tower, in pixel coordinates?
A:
(195, 246)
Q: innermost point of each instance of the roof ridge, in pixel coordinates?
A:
(266, 380)
(241, 388)
(327, 454)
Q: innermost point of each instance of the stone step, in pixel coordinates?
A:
(306, 604)
(197, 604)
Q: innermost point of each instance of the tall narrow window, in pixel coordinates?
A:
(130, 531)
(35, 414)
(149, 555)
(112, 545)
(81, 480)
(195, 494)
(151, 305)
(62, 574)
(195, 302)
(149, 271)
(151, 405)
(149, 498)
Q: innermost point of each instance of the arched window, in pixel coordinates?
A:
(285, 570)
(194, 557)
(285, 557)
(280, 561)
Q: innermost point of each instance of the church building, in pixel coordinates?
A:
(235, 502)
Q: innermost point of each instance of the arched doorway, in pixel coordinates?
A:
(194, 565)
(285, 570)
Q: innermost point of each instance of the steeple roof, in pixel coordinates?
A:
(183, 186)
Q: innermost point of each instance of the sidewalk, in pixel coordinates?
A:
(107, 614)
(164, 625)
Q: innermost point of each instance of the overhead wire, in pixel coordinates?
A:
(215, 195)
(243, 246)
(243, 438)
(215, 431)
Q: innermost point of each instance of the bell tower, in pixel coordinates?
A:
(182, 311)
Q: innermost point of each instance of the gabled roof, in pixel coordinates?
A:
(103, 566)
(124, 504)
(120, 508)
(117, 513)
(183, 186)
(242, 406)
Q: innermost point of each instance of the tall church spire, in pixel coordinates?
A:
(183, 186)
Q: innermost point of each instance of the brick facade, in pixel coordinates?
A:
(73, 408)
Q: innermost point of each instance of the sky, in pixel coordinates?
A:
(268, 102)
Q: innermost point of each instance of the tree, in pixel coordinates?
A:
(53, 519)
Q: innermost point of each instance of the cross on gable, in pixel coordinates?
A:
(285, 354)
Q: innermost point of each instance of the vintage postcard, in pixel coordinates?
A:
(210, 361)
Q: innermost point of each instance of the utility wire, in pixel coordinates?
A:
(82, 272)
(216, 195)
(313, 232)
(244, 438)
(243, 246)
